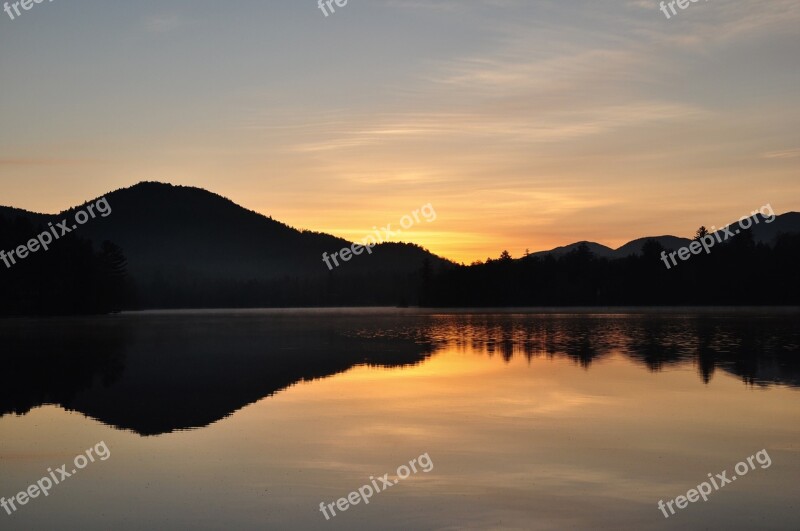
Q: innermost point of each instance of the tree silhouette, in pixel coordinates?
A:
(67, 278)
(702, 231)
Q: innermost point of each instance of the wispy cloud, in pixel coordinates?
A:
(785, 154)
(527, 128)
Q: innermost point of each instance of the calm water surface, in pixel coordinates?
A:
(250, 419)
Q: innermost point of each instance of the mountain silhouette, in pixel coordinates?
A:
(788, 223)
(762, 232)
(670, 243)
(752, 269)
(165, 246)
(187, 247)
(596, 248)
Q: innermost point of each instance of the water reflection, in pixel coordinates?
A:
(157, 373)
(160, 372)
(760, 348)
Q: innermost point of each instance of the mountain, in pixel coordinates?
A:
(763, 232)
(670, 243)
(189, 247)
(596, 248)
(788, 223)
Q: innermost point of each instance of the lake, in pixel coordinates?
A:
(521, 419)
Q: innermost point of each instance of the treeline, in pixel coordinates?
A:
(739, 272)
(75, 277)
(72, 277)
(331, 289)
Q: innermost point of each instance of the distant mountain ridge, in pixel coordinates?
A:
(598, 249)
(762, 233)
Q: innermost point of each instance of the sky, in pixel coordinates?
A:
(526, 124)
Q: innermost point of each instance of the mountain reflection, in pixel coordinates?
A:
(157, 373)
